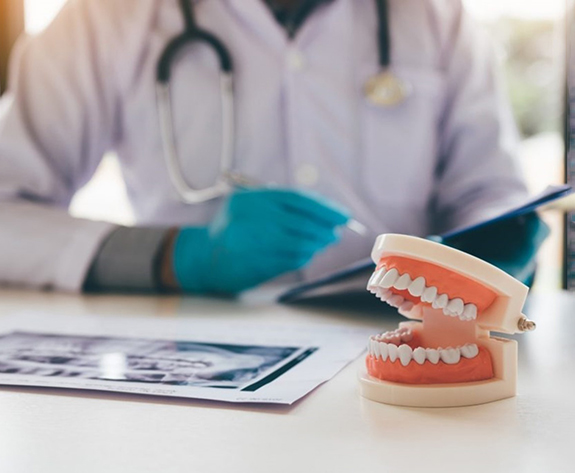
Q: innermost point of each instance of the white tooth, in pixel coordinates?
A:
(372, 344)
(376, 277)
(469, 312)
(440, 302)
(395, 301)
(403, 329)
(432, 355)
(450, 356)
(404, 352)
(389, 278)
(406, 306)
(403, 282)
(392, 337)
(469, 351)
(384, 294)
(383, 350)
(417, 287)
(392, 352)
(419, 355)
(406, 336)
(375, 348)
(429, 294)
(455, 307)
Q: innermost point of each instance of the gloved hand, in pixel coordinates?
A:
(256, 236)
(511, 245)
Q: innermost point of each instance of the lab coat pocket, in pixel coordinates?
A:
(400, 143)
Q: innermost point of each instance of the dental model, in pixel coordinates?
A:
(444, 357)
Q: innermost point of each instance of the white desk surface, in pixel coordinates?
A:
(331, 430)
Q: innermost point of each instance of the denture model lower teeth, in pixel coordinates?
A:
(383, 282)
(394, 345)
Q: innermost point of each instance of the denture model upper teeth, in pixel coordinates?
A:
(440, 302)
(403, 282)
(417, 287)
(381, 349)
(382, 282)
(469, 312)
(375, 279)
(454, 307)
(389, 279)
(429, 294)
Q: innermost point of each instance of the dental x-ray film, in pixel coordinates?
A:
(281, 370)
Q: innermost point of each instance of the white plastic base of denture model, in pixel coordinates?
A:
(503, 385)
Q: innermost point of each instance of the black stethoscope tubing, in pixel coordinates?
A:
(384, 89)
(194, 34)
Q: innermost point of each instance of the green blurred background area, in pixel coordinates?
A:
(532, 55)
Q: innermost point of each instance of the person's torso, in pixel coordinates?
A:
(302, 119)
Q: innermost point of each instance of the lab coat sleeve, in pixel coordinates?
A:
(57, 119)
(477, 173)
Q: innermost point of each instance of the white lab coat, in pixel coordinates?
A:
(86, 86)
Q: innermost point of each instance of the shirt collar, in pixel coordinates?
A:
(293, 19)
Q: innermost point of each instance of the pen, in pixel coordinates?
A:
(242, 182)
(356, 227)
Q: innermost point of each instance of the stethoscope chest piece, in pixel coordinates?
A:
(387, 90)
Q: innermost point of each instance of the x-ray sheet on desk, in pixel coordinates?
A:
(233, 362)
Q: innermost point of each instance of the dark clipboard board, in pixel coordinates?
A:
(352, 279)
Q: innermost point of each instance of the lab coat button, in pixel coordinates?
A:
(295, 60)
(307, 175)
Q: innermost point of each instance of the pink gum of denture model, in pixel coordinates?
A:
(446, 355)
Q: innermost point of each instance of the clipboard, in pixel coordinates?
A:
(353, 279)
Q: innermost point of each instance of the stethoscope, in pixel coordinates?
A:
(384, 90)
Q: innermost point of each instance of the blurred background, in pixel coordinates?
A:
(530, 42)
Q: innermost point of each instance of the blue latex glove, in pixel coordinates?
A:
(256, 236)
(511, 245)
